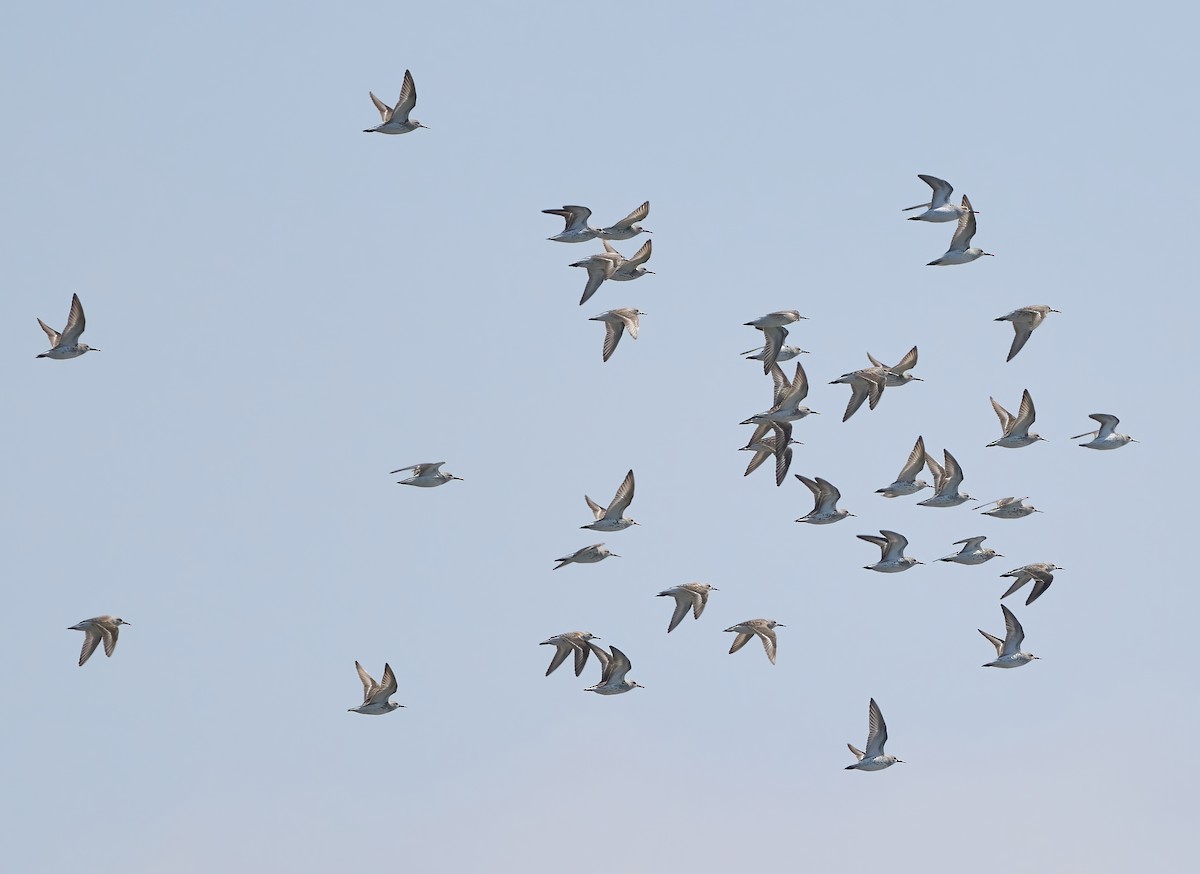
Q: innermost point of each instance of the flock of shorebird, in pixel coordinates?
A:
(772, 439)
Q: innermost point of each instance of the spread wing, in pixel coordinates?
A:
(110, 637)
(369, 685)
(598, 270)
(828, 495)
(797, 390)
(617, 667)
(767, 635)
(1004, 415)
(941, 190)
(612, 333)
(75, 323)
(954, 474)
(1025, 413)
(741, 640)
(407, 99)
(772, 342)
(636, 216)
(562, 648)
(877, 730)
(604, 658)
(896, 544)
(50, 332)
(642, 255)
(1024, 330)
(622, 499)
(908, 362)
(388, 685)
(1014, 634)
(916, 461)
(385, 111)
(995, 641)
(582, 651)
(783, 457)
(961, 240)
(575, 217)
(1108, 423)
(684, 599)
(91, 640)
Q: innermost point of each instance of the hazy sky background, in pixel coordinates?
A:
(289, 309)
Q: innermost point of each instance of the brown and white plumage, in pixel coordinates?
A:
(66, 344)
(898, 374)
(1041, 574)
(615, 665)
(865, 384)
(778, 444)
(395, 119)
(97, 629)
(612, 517)
(1016, 428)
(688, 596)
(947, 479)
(567, 643)
(825, 498)
(763, 629)
(1025, 321)
(627, 227)
(873, 758)
(631, 268)
(906, 480)
(616, 323)
(376, 695)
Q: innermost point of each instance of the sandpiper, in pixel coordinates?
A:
(898, 374)
(773, 326)
(631, 268)
(891, 548)
(778, 445)
(599, 267)
(873, 759)
(1016, 428)
(426, 475)
(688, 596)
(1008, 651)
(961, 251)
(577, 229)
(939, 208)
(395, 118)
(866, 383)
(616, 322)
(567, 643)
(96, 629)
(1040, 573)
(376, 695)
(763, 629)
(785, 353)
(1024, 321)
(973, 552)
(825, 496)
(786, 398)
(613, 518)
(1106, 437)
(588, 555)
(67, 345)
(615, 666)
(1009, 508)
(946, 480)
(627, 227)
(906, 480)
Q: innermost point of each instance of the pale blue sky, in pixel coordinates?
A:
(289, 309)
